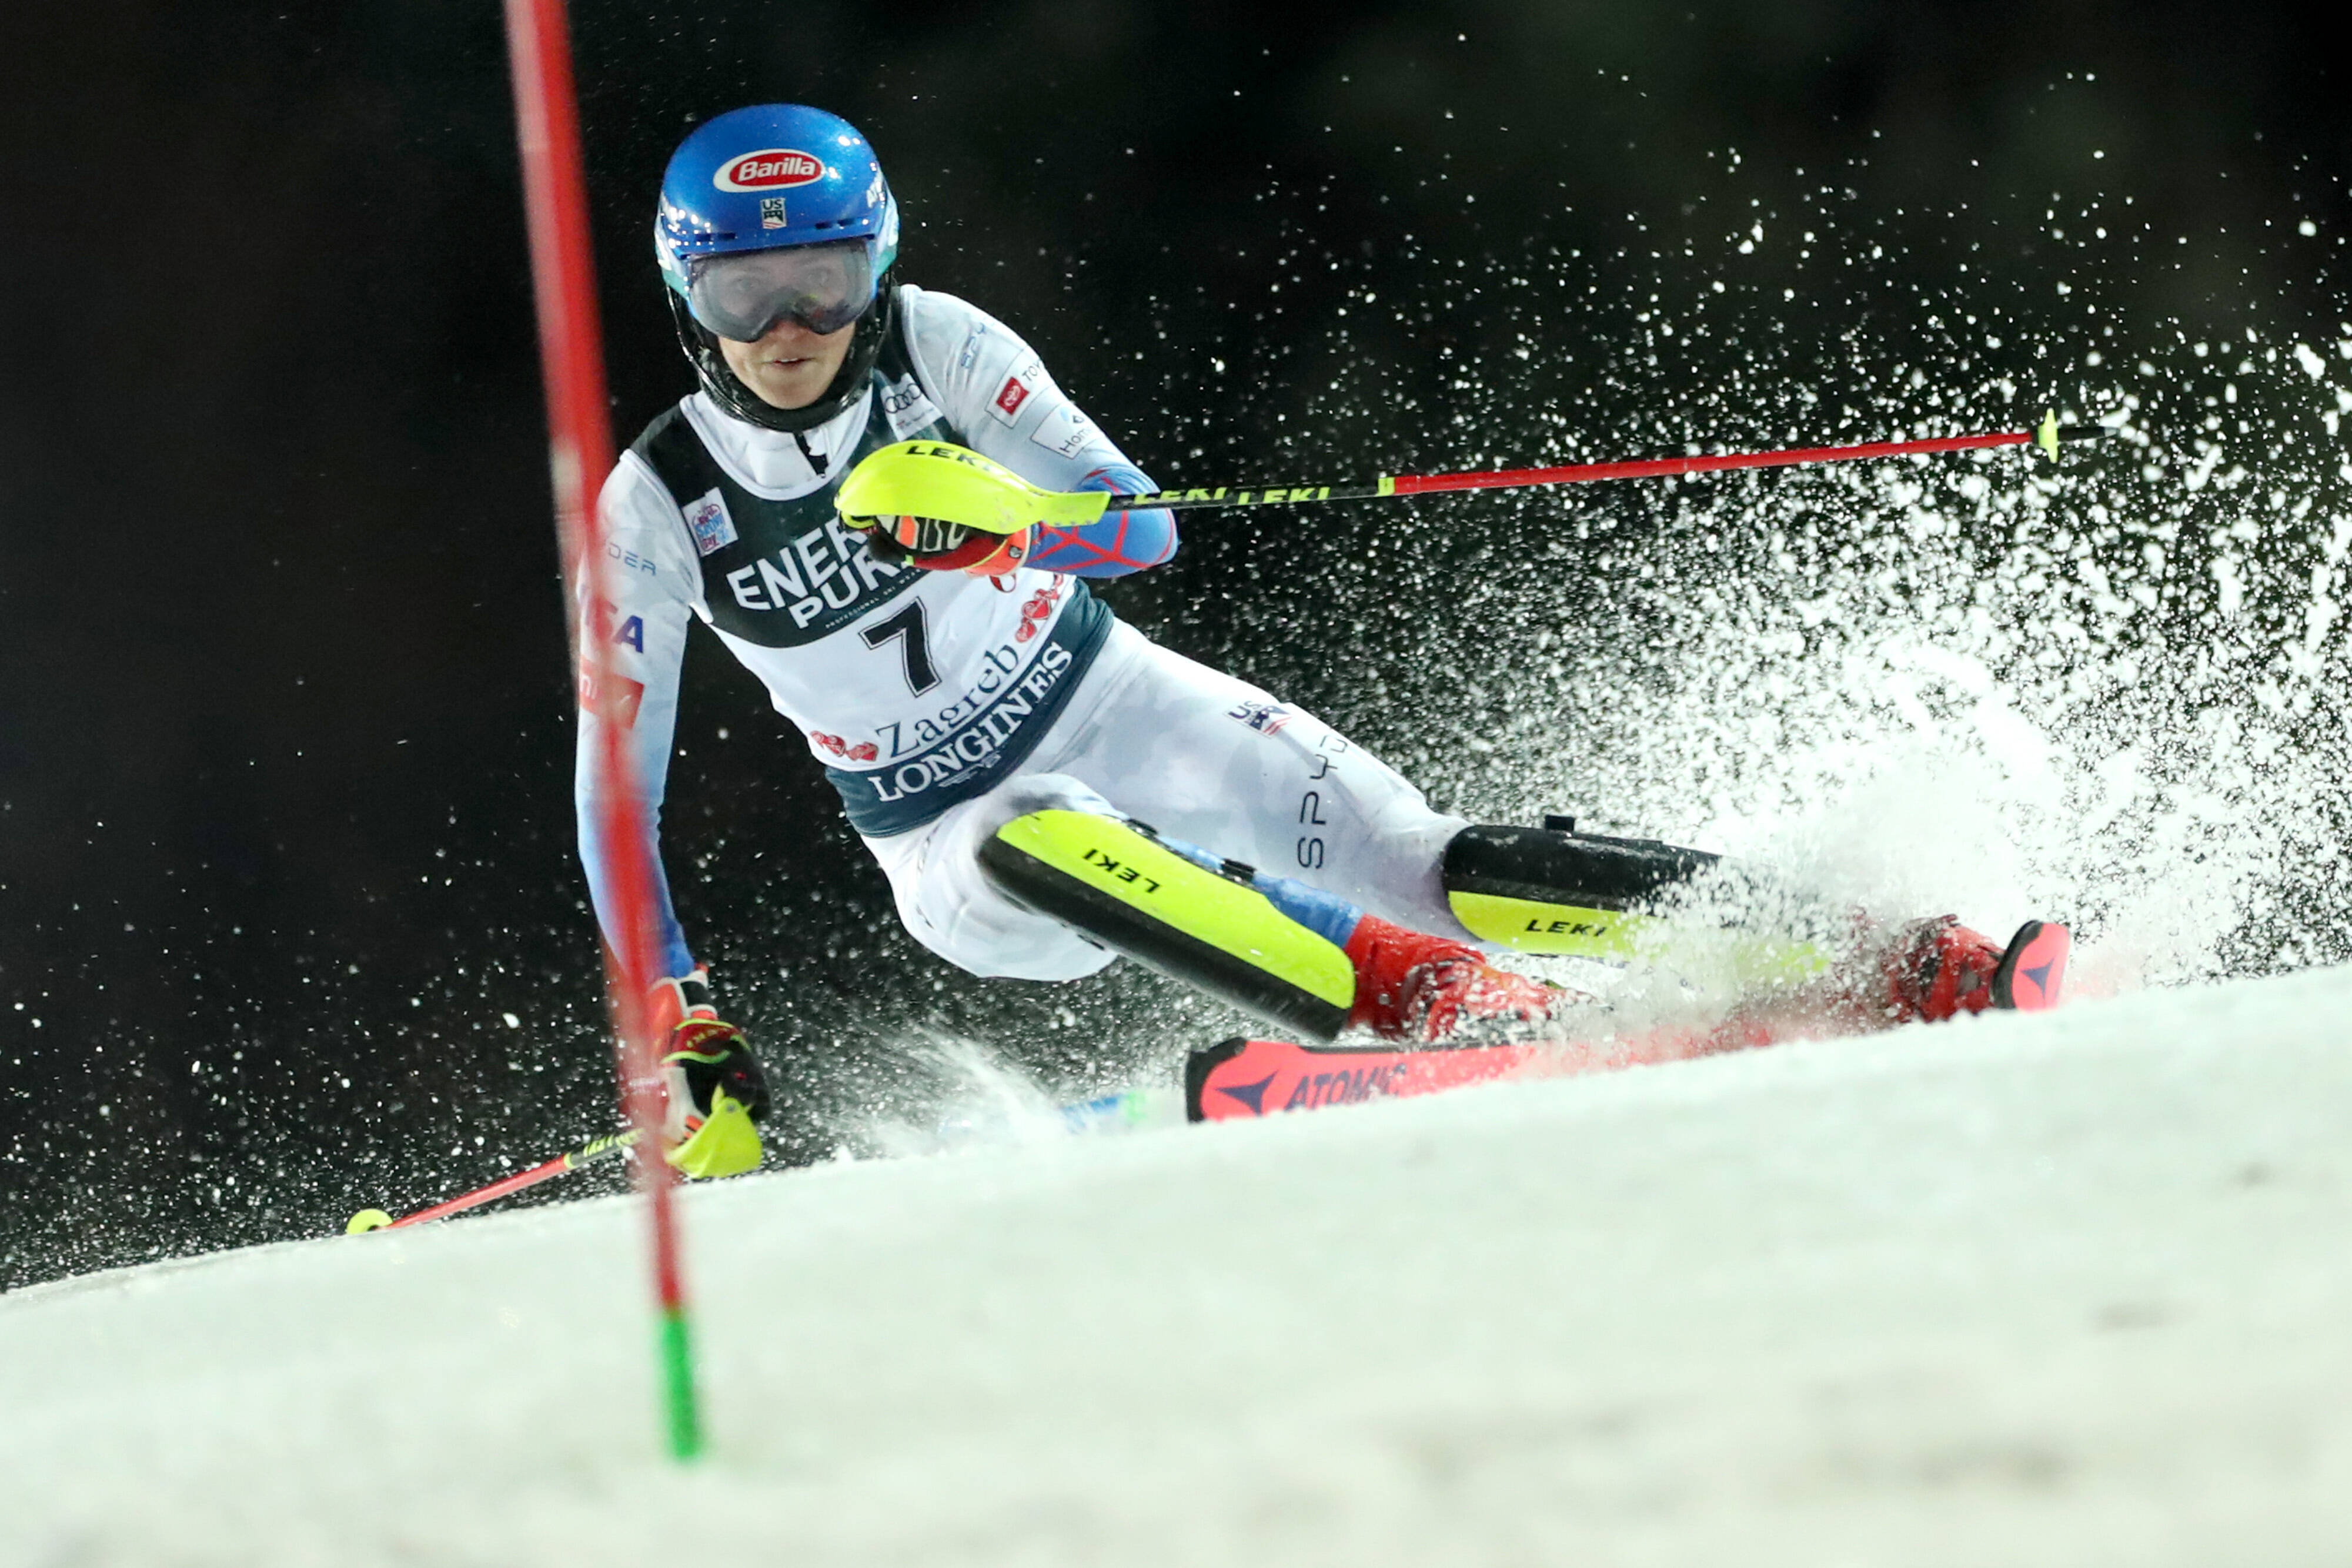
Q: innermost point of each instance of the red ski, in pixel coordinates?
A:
(1242, 1078)
(2034, 971)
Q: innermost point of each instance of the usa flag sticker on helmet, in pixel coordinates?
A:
(770, 168)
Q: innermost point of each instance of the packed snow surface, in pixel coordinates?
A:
(2070, 1290)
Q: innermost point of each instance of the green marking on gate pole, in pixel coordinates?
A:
(677, 1378)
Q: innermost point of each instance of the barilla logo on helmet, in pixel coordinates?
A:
(770, 168)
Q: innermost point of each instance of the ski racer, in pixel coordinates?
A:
(1044, 787)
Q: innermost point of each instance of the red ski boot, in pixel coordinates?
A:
(1936, 968)
(1421, 989)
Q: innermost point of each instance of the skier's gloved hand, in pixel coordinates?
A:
(712, 1082)
(935, 546)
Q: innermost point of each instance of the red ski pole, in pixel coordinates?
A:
(2047, 436)
(579, 453)
(595, 1149)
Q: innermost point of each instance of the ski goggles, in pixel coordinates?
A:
(822, 286)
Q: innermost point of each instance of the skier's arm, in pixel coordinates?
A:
(1114, 544)
(649, 574)
(995, 390)
(711, 1080)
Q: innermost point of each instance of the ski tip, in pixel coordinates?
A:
(2032, 973)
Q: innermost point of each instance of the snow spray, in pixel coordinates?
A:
(2106, 691)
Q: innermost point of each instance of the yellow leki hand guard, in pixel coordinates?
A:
(726, 1144)
(952, 484)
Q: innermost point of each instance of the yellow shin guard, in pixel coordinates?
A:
(1117, 883)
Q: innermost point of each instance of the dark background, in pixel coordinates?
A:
(285, 830)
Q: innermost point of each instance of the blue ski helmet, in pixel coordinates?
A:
(775, 177)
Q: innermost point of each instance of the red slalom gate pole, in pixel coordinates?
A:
(579, 453)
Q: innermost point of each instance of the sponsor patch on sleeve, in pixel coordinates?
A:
(906, 409)
(1065, 432)
(1004, 406)
(707, 520)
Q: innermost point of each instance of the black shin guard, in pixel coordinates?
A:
(1590, 895)
(1548, 889)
